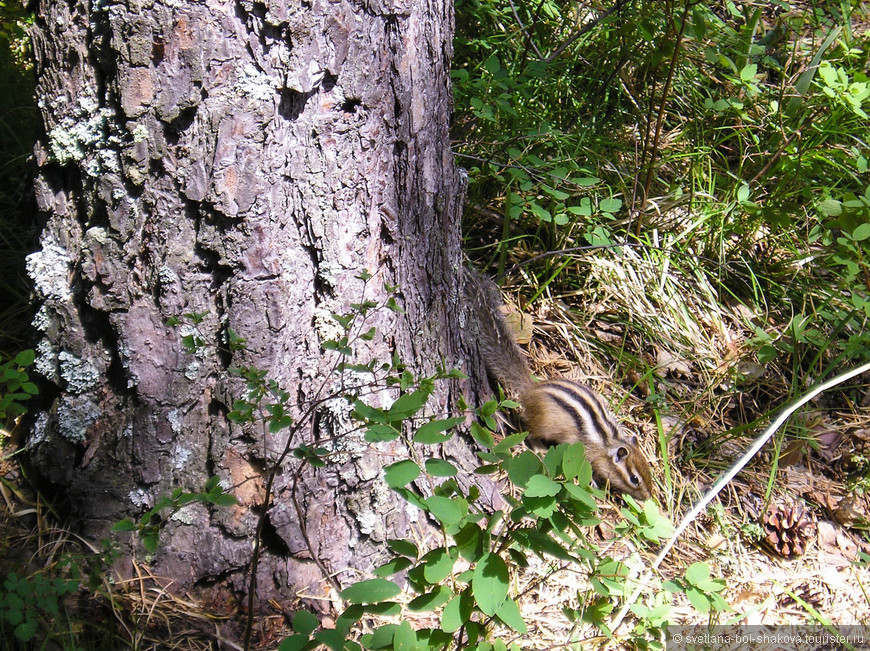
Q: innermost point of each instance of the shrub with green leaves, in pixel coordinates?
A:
(727, 142)
(15, 385)
(468, 582)
(31, 603)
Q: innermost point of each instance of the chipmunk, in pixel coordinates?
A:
(557, 411)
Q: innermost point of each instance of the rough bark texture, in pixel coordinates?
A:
(244, 160)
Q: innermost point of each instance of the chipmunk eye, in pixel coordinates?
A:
(634, 479)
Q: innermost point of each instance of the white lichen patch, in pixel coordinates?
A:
(186, 514)
(50, 269)
(174, 421)
(97, 234)
(140, 498)
(42, 319)
(74, 415)
(166, 276)
(108, 160)
(40, 429)
(46, 363)
(79, 374)
(412, 512)
(368, 509)
(255, 84)
(70, 141)
(368, 521)
(191, 371)
(326, 326)
(140, 133)
(180, 456)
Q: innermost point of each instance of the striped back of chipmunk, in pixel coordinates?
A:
(561, 411)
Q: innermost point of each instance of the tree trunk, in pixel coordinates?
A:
(244, 161)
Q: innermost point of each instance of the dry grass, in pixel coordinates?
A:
(690, 364)
(140, 612)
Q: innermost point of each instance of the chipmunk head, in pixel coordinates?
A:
(629, 472)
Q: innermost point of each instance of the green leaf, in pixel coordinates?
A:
(411, 497)
(384, 609)
(150, 541)
(404, 639)
(509, 613)
(401, 473)
(543, 507)
(438, 564)
(366, 413)
(431, 600)
(225, 499)
(697, 573)
(862, 232)
(581, 494)
(398, 564)
(381, 638)
(332, 638)
(353, 613)
(489, 583)
(572, 461)
(26, 630)
(541, 486)
(523, 467)
(699, 600)
(403, 547)
(407, 405)
(469, 541)
(482, 435)
(431, 433)
(748, 73)
(558, 195)
(370, 591)
(305, 622)
(124, 525)
(456, 613)
(831, 207)
(293, 643)
(543, 544)
(508, 442)
(447, 510)
(440, 468)
(492, 65)
(380, 432)
(610, 205)
(540, 212)
(25, 358)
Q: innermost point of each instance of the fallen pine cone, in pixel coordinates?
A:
(788, 529)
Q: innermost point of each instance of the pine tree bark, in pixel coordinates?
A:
(245, 161)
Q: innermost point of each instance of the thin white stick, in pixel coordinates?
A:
(728, 476)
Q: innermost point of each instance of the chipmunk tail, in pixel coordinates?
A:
(504, 360)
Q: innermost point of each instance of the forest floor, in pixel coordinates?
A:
(787, 544)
